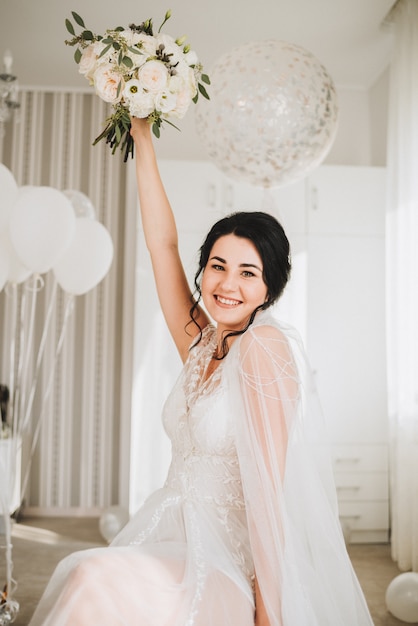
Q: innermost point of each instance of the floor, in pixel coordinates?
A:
(39, 543)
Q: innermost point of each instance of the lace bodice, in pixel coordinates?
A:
(197, 420)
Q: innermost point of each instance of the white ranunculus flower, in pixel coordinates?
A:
(175, 83)
(191, 58)
(106, 83)
(153, 76)
(165, 102)
(141, 104)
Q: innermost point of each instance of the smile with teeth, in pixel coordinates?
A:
(227, 301)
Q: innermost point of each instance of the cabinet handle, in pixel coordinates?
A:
(314, 198)
(353, 488)
(211, 195)
(347, 459)
(229, 196)
(347, 517)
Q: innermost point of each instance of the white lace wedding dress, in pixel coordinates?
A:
(244, 494)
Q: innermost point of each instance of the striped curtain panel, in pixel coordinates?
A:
(80, 405)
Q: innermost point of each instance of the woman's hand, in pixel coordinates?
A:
(140, 129)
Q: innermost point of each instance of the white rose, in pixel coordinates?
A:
(153, 76)
(106, 83)
(145, 44)
(188, 77)
(88, 61)
(183, 101)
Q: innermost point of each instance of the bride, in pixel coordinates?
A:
(245, 529)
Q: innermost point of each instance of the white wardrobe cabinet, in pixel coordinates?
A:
(346, 337)
(335, 223)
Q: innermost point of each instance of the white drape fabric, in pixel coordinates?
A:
(402, 282)
(300, 560)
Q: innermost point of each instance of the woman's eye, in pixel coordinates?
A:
(217, 267)
(247, 273)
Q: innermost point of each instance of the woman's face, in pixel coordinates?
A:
(232, 282)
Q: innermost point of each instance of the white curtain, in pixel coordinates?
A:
(402, 282)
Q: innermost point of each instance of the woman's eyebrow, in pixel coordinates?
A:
(221, 260)
(251, 265)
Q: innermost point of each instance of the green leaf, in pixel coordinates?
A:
(118, 134)
(127, 61)
(195, 98)
(134, 50)
(203, 91)
(156, 130)
(70, 27)
(87, 35)
(205, 78)
(78, 19)
(116, 45)
(103, 52)
(108, 40)
(77, 55)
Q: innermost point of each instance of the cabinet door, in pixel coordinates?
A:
(346, 335)
(346, 300)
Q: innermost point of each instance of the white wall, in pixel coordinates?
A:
(360, 140)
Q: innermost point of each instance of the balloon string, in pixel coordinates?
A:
(39, 357)
(68, 310)
(12, 352)
(26, 349)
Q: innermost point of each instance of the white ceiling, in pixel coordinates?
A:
(345, 35)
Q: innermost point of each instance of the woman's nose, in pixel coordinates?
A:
(229, 282)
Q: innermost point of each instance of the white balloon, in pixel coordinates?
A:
(17, 272)
(112, 521)
(8, 195)
(402, 597)
(4, 264)
(88, 258)
(42, 224)
(272, 113)
(82, 205)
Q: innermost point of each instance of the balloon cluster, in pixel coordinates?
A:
(44, 229)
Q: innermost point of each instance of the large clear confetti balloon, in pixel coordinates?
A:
(272, 114)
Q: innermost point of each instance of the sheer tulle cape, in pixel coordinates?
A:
(172, 564)
(301, 563)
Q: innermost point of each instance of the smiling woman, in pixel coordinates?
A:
(245, 528)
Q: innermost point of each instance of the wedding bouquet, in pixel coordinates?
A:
(140, 74)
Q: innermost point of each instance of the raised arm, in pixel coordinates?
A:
(162, 242)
